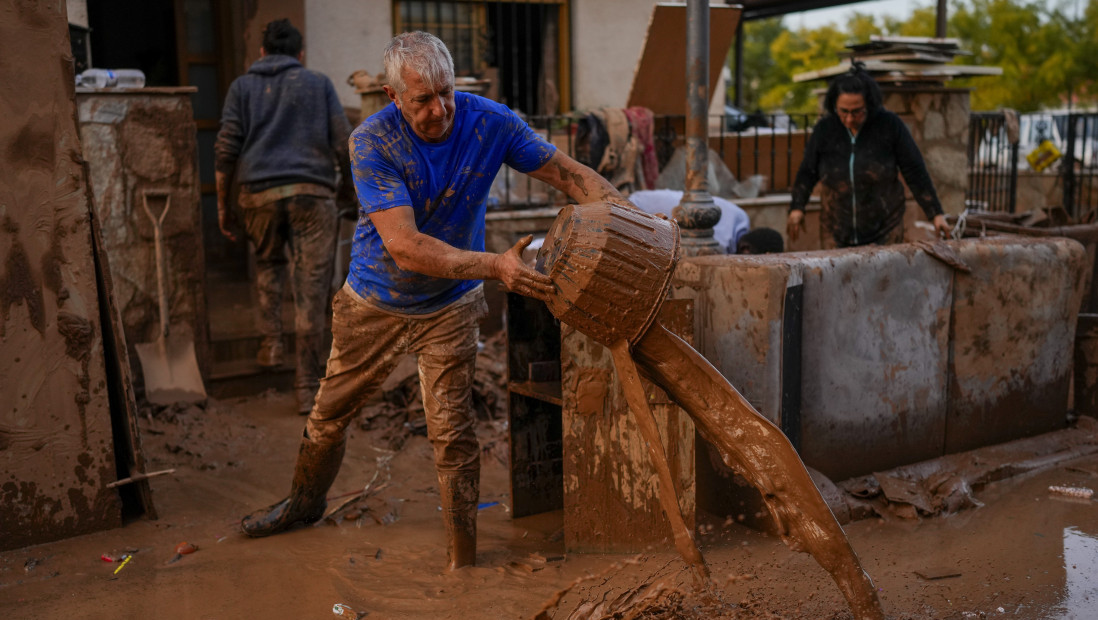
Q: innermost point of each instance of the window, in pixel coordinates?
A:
(520, 48)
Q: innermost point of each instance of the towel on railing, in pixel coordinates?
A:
(642, 124)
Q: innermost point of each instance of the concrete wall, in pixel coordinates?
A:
(901, 358)
(343, 36)
(1013, 331)
(56, 449)
(603, 66)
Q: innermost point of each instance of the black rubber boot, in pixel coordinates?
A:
(317, 466)
(459, 494)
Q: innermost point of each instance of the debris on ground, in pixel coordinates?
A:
(1075, 492)
(947, 484)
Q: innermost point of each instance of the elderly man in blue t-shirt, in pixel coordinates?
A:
(422, 168)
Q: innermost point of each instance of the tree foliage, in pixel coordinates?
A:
(1048, 51)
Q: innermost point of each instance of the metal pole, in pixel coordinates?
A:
(739, 66)
(697, 213)
(940, 27)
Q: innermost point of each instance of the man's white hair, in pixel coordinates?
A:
(421, 52)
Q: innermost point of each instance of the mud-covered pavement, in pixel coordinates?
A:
(1024, 554)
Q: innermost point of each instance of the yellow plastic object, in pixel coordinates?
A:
(1043, 156)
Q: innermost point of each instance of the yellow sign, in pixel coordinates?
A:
(1043, 156)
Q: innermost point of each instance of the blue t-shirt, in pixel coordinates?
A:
(445, 183)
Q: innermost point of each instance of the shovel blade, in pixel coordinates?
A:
(171, 372)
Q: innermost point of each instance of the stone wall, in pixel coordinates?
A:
(938, 119)
(138, 143)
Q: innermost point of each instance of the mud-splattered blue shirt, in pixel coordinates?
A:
(445, 183)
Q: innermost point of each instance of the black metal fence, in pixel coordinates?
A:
(995, 157)
(992, 164)
(767, 145)
(1079, 166)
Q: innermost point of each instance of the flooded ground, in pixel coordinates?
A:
(1024, 554)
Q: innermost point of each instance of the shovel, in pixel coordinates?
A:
(168, 364)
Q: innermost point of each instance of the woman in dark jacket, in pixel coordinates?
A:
(855, 152)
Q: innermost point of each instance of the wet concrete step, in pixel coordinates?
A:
(246, 378)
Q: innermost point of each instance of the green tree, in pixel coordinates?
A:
(1048, 51)
(759, 72)
(796, 52)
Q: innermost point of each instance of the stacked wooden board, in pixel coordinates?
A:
(903, 60)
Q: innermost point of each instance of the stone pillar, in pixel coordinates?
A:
(938, 118)
(137, 141)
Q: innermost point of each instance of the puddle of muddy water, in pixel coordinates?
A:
(1081, 576)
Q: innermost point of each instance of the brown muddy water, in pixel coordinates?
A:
(1024, 554)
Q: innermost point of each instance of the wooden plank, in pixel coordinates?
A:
(659, 82)
(913, 69)
(900, 56)
(123, 403)
(948, 41)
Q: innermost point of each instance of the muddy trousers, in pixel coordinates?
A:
(305, 226)
(367, 343)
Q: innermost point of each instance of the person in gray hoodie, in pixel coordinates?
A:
(283, 136)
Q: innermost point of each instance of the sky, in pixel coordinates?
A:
(839, 14)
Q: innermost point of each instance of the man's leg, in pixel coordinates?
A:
(313, 226)
(365, 347)
(447, 348)
(265, 227)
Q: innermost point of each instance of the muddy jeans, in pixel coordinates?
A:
(306, 225)
(368, 342)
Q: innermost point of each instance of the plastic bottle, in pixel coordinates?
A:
(111, 78)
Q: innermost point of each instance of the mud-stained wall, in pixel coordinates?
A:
(744, 346)
(56, 452)
(1013, 324)
(902, 358)
(136, 143)
(611, 497)
(873, 358)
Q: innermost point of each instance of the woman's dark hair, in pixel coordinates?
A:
(854, 82)
(280, 37)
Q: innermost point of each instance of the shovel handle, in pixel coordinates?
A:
(161, 267)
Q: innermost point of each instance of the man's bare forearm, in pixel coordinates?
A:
(580, 183)
(432, 257)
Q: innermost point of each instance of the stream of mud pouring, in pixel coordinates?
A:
(757, 450)
(669, 492)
